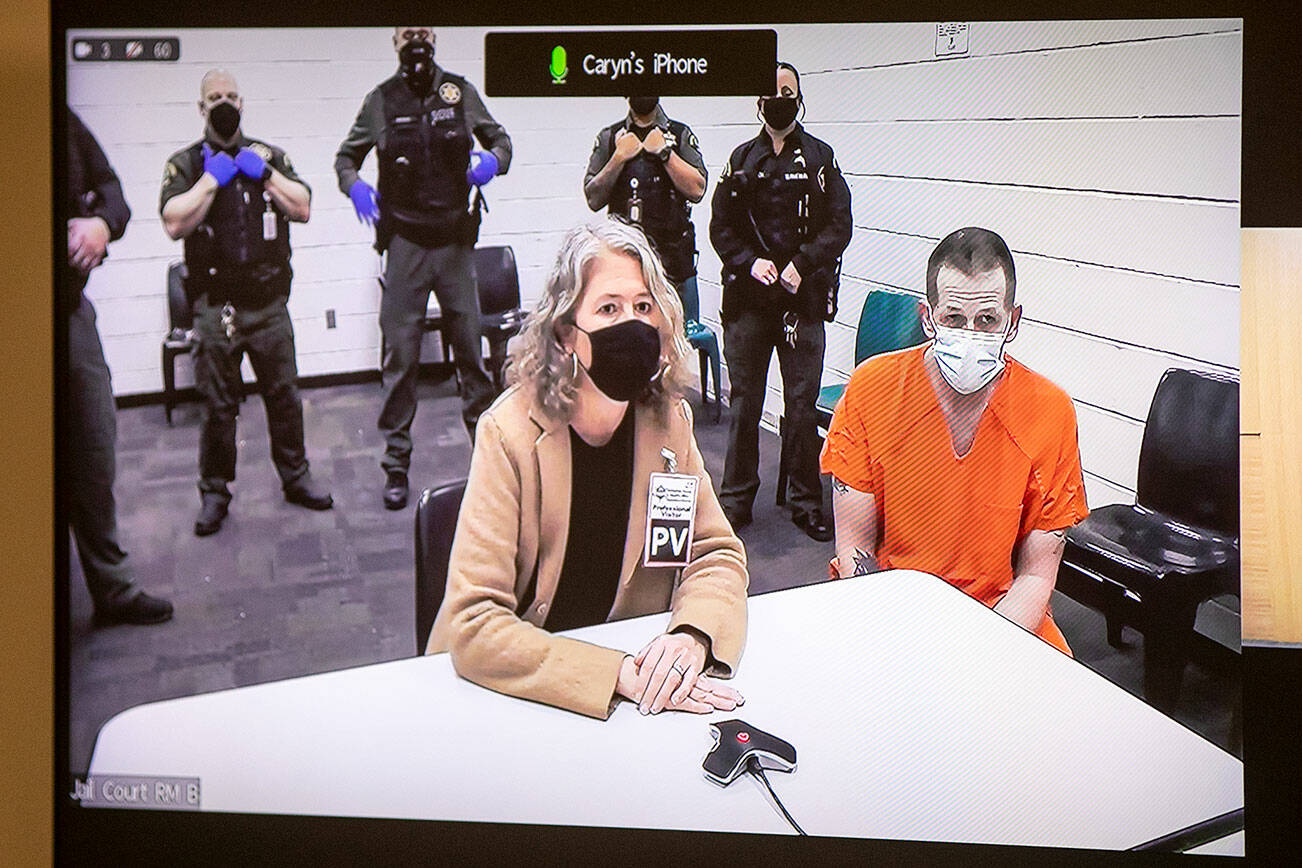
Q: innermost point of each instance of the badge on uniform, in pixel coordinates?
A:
(449, 93)
(670, 519)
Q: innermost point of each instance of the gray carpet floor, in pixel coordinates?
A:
(282, 591)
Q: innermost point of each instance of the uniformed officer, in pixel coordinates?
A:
(232, 198)
(422, 121)
(648, 170)
(780, 221)
(97, 214)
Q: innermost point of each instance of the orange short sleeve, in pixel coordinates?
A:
(1059, 478)
(847, 453)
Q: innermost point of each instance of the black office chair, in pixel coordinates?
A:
(500, 315)
(1151, 564)
(436, 524)
(180, 334)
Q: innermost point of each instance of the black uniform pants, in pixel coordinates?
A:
(410, 273)
(90, 463)
(749, 340)
(267, 335)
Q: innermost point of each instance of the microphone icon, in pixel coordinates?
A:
(558, 67)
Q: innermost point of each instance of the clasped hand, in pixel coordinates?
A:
(627, 144)
(223, 167)
(88, 239)
(666, 673)
(766, 272)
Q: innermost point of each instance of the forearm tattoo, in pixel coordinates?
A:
(864, 563)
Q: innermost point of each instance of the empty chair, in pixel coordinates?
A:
(499, 303)
(706, 343)
(1152, 563)
(436, 525)
(180, 333)
(888, 321)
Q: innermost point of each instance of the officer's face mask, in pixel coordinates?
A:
(625, 358)
(968, 360)
(643, 105)
(416, 66)
(780, 111)
(224, 118)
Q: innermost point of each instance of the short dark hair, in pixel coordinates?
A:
(782, 64)
(972, 250)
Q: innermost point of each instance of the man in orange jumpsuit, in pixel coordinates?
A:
(954, 459)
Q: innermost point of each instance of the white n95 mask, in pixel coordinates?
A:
(969, 360)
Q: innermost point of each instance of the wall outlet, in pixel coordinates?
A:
(330, 318)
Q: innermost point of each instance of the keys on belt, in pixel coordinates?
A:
(789, 322)
(228, 320)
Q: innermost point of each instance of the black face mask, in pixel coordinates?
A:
(625, 358)
(780, 111)
(643, 105)
(416, 66)
(225, 119)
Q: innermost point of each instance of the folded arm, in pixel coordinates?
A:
(184, 211)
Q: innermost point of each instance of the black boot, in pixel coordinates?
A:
(395, 490)
(304, 492)
(140, 609)
(814, 525)
(211, 514)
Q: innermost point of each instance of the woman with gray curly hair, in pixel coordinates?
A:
(552, 533)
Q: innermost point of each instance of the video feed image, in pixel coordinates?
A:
(808, 428)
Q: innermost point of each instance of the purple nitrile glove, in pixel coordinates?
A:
(483, 167)
(219, 165)
(365, 202)
(248, 162)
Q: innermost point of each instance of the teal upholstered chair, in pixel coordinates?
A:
(704, 340)
(889, 321)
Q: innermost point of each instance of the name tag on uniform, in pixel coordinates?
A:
(670, 519)
(268, 226)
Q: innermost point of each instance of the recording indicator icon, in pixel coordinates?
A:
(81, 49)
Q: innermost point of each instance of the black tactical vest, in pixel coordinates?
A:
(424, 155)
(229, 253)
(645, 194)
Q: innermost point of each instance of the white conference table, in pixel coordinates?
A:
(916, 713)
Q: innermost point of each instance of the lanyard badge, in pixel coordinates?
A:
(670, 517)
(268, 220)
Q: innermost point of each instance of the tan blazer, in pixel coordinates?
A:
(514, 523)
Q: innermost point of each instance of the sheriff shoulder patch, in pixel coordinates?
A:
(261, 150)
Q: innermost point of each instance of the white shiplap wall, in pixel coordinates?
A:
(1105, 153)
